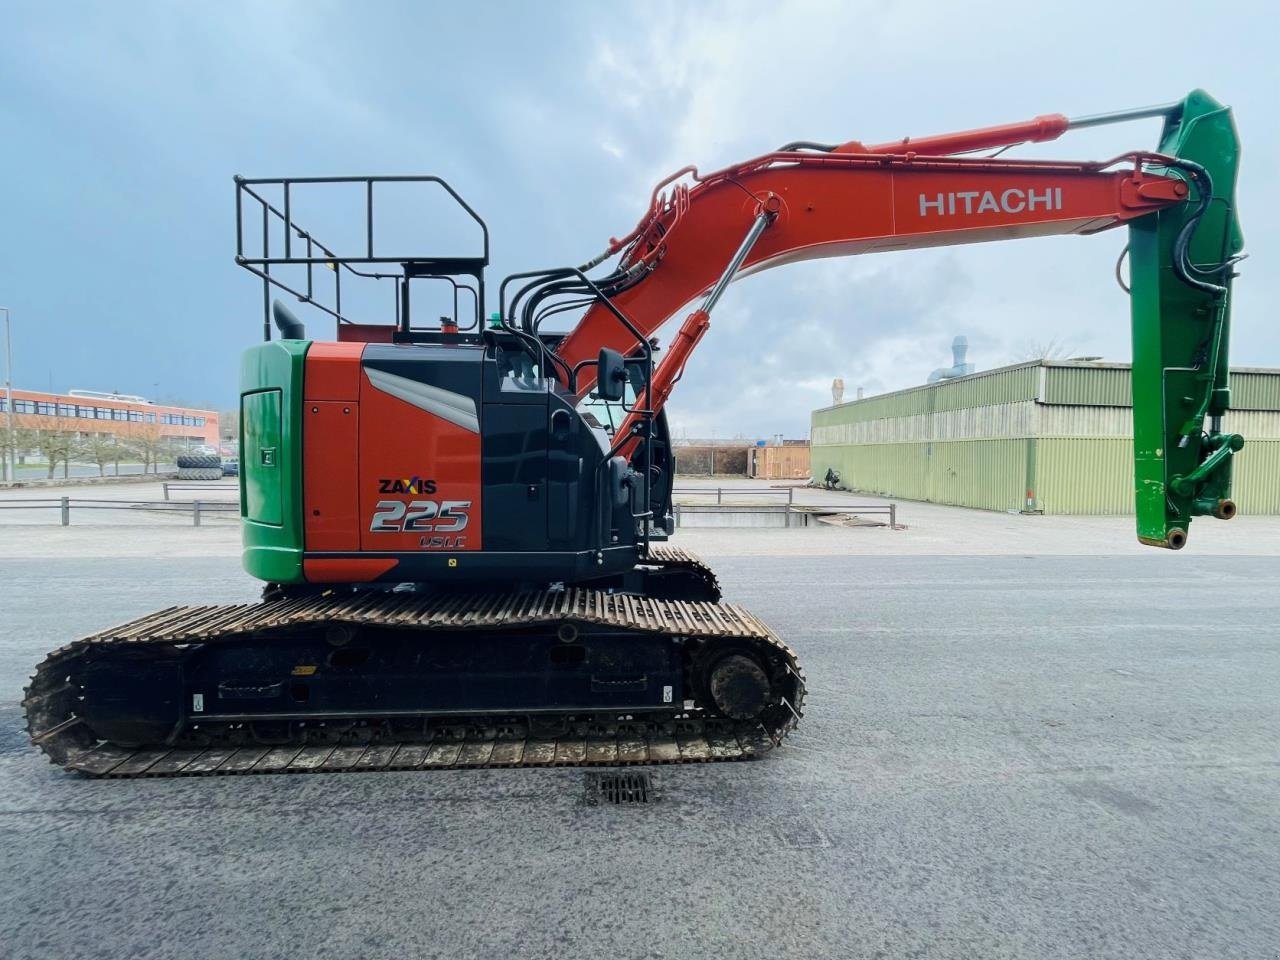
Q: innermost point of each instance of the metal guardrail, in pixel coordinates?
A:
(719, 492)
(64, 505)
(804, 512)
(207, 485)
(790, 507)
(791, 516)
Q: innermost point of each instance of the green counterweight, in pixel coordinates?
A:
(271, 460)
(1182, 460)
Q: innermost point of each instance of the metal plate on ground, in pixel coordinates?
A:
(619, 788)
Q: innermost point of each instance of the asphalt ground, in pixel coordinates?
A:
(1001, 756)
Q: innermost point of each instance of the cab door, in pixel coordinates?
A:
(515, 472)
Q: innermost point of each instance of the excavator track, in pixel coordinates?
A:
(683, 572)
(67, 694)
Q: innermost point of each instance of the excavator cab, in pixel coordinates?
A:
(430, 453)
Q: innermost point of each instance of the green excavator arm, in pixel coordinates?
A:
(1181, 261)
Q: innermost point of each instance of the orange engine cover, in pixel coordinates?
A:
(382, 472)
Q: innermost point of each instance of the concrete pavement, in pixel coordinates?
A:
(1018, 755)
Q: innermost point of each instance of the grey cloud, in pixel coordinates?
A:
(130, 122)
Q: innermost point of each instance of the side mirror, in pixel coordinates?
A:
(611, 375)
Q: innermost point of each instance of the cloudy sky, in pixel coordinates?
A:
(122, 125)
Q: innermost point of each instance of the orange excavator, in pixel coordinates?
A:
(461, 522)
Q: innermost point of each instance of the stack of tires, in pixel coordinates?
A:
(199, 466)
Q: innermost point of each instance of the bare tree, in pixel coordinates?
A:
(99, 448)
(148, 443)
(229, 425)
(24, 441)
(56, 442)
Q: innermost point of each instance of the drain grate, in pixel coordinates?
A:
(619, 788)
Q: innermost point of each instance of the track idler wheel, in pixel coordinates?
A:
(739, 686)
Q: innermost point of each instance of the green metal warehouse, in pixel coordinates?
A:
(1051, 436)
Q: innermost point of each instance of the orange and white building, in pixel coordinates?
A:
(90, 412)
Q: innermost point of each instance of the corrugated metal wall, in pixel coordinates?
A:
(999, 421)
(893, 469)
(1084, 475)
(989, 474)
(984, 440)
(1093, 386)
(1007, 385)
(970, 473)
(1095, 476)
(1255, 484)
(1255, 390)
(1111, 386)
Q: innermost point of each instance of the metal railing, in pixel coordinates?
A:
(889, 510)
(64, 505)
(302, 250)
(719, 492)
(201, 487)
(884, 509)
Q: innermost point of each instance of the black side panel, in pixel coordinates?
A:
(514, 444)
(572, 459)
(455, 369)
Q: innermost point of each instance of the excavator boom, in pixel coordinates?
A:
(826, 200)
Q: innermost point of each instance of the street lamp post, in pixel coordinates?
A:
(11, 468)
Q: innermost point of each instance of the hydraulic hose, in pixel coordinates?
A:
(1183, 268)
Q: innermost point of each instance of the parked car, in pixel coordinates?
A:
(230, 467)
